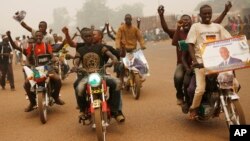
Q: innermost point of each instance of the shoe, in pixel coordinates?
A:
(3, 88)
(217, 112)
(12, 89)
(143, 79)
(185, 108)
(193, 114)
(85, 119)
(30, 107)
(118, 116)
(179, 101)
(59, 101)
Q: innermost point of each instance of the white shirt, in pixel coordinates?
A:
(202, 33)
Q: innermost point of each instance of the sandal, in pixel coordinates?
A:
(193, 114)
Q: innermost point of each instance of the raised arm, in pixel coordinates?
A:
(140, 39)
(164, 25)
(71, 43)
(113, 30)
(219, 19)
(78, 29)
(138, 23)
(12, 42)
(176, 34)
(109, 34)
(63, 43)
(104, 28)
(24, 25)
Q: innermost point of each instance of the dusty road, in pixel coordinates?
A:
(154, 117)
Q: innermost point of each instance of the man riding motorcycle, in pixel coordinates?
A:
(127, 36)
(200, 33)
(32, 52)
(91, 57)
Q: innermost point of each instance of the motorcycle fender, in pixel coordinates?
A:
(97, 103)
(234, 96)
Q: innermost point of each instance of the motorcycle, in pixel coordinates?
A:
(97, 96)
(135, 72)
(221, 97)
(40, 84)
(62, 66)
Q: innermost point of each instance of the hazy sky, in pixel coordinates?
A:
(38, 10)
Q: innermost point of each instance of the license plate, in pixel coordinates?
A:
(96, 103)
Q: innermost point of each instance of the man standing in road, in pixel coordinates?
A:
(6, 56)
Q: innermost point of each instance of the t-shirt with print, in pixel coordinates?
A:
(47, 38)
(91, 56)
(39, 49)
(202, 33)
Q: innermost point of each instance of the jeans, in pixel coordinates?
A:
(178, 80)
(187, 84)
(114, 100)
(115, 93)
(78, 99)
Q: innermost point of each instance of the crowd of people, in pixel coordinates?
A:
(93, 53)
(239, 25)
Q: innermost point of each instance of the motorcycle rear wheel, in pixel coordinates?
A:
(236, 113)
(42, 107)
(98, 122)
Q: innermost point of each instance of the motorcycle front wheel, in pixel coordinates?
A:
(136, 86)
(98, 122)
(42, 106)
(236, 113)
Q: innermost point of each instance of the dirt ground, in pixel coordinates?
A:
(154, 117)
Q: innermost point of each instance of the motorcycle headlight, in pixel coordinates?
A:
(225, 80)
(94, 79)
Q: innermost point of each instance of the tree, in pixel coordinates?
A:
(93, 12)
(136, 10)
(61, 18)
(96, 12)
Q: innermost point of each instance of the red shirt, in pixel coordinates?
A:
(40, 49)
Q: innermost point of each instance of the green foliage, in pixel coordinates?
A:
(61, 18)
(96, 12)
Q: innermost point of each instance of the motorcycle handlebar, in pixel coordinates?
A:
(83, 70)
(198, 65)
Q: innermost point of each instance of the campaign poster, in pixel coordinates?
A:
(225, 55)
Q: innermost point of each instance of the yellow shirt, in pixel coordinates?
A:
(129, 35)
